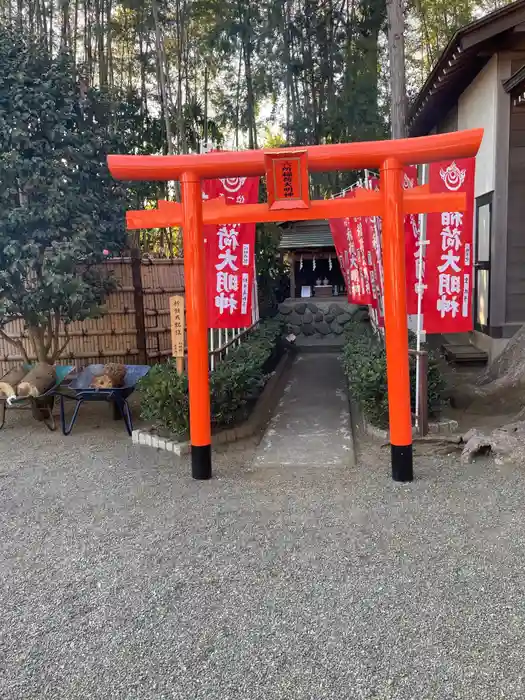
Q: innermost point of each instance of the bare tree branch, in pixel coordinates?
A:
(17, 344)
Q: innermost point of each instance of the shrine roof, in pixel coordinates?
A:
(467, 53)
(306, 234)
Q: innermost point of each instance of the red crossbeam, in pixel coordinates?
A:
(415, 201)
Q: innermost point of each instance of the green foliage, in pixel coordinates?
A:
(164, 398)
(364, 363)
(435, 381)
(59, 207)
(272, 273)
(234, 385)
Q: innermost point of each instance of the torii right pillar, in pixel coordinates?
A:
(396, 336)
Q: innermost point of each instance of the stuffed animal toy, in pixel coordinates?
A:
(112, 377)
(10, 381)
(37, 381)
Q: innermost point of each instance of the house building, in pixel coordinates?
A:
(479, 81)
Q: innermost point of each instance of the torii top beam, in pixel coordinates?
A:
(341, 156)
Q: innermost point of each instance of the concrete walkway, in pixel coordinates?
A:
(311, 425)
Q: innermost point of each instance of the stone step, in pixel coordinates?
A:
(464, 354)
(324, 344)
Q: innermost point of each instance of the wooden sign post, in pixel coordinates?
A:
(177, 330)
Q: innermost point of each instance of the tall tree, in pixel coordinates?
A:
(59, 208)
(396, 55)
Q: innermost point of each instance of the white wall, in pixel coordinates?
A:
(477, 108)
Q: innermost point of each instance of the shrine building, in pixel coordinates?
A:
(314, 267)
(479, 81)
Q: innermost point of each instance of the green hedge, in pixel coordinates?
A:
(235, 384)
(364, 362)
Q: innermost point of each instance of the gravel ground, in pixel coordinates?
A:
(123, 578)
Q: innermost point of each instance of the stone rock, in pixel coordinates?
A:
(343, 318)
(300, 308)
(318, 317)
(322, 328)
(335, 309)
(295, 319)
(308, 329)
(336, 328)
(329, 318)
(294, 329)
(284, 309)
(312, 307)
(361, 315)
(308, 316)
(504, 445)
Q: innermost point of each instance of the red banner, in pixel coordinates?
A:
(338, 229)
(351, 244)
(377, 258)
(374, 267)
(447, 301)
(362, 262)
(230, 256)
(411, 244)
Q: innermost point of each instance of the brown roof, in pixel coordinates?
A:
(306, 234)
(466, 54)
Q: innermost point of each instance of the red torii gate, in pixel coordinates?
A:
(287, 170)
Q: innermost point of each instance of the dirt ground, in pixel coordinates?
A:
(485, 416)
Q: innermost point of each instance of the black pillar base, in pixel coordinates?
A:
(402, 468)
(201, 462)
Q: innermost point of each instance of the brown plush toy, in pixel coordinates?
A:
(10, 381)
(112, 377)
(37, 381)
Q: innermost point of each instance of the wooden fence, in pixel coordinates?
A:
(135, 326)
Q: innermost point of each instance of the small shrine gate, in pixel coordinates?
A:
(287, 180)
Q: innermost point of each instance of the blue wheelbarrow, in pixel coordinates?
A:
(41, 406)
(80, 390)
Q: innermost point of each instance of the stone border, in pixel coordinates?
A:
(443, 427)
(253, 424)
(447, 426)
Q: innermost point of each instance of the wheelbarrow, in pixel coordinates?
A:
(80, 390)
(41, 406)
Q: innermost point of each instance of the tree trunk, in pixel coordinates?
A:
(501, 387)
(75, 31)
(252, 127)
(65, 30)
(205, 125)
(162, 77)
(396, 54)
(238, 101)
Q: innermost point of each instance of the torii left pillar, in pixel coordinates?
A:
(197, 338)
